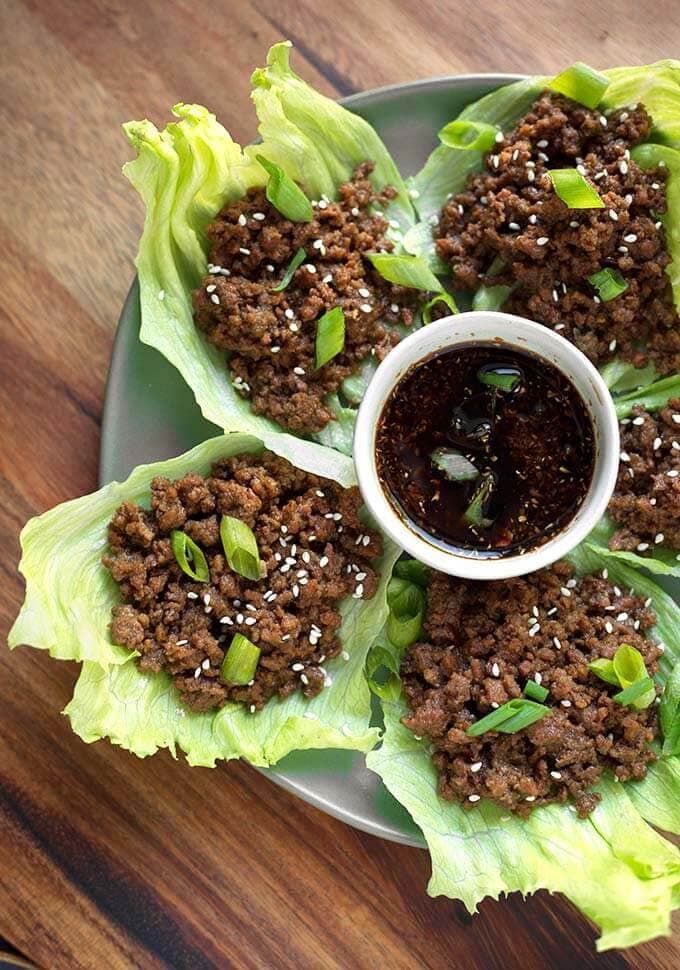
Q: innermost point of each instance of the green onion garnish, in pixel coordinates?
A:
(284, 194)
(439, 298)
(189, 556)
(505, 377)
(411, 271)
(535, 691)
(453, 465)
(405, 620)
(513, 716)
(383, 662)
(575, 191)
(474, 513)
(295, 262)
(609, 284)
(330, 336)
(641, 691)
(414, 571)
(468, 135)
(669, 713)
(240, 661)
(628, 665)
(604, 669)
(581, 83)
(240, 547)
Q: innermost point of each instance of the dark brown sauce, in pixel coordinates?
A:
(521, 454)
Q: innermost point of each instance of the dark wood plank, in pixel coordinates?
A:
(110, 861)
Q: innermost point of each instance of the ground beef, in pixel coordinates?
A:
(315, 552)
(510, 215)
(484, 641)
(646, 501)
(271, 336)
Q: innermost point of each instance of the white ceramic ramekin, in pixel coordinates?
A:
(484, 326)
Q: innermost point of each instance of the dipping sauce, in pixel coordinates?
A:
(486, 449)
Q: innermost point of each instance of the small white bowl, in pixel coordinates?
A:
(504, 329)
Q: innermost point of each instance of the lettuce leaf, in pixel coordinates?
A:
(649, 156)
(69, 596)
(186, 173)
(657, 86)
(613, 865)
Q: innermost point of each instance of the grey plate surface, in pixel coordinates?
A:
(150, 414)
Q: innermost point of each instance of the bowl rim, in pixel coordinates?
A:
(485, 326)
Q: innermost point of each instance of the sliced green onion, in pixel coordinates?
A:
(240, 661)
(629, 665)
(535, 691)
(513, 716)
(381, 661)
(604, 669)
(468, 135)
(491, 297)
(641, 691)
(575, 191)
(284, 194)
(405, 620)
(240, 547)
(669, 713)
(474, 513)
(581, 83)
(454, 466)
(330, 336)
(506, 377)
(439, 298)
(609, 284)
(414, 571)
(297, 260)
(411, 271)
(189, 556)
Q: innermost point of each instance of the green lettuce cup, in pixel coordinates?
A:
(67, 611)
(186, 173)
(613, 865)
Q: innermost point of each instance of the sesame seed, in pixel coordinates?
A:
(612, 346)
(241, 220)
(538, 677)
(514, 226)
(181, 643)
(323, 561)
(354, 211)
(581, 169)
(226, 621)
(362, 291)
(239, 618)
(676, 418)
(496, 670)
(250, 621)
(565, 592)
(534, 629)
(358, 592)
(161, 295)
(206, 664)
(474, 768)
(623, 249)
(542, 240)
(366, 307)
(603, 121)
(323, 204)
(621, 617)
(246, 252)
(252, 708)
(495, 705)
(673, 474)
(414, 193)
(552, 611)
(310, 268)
(608, 627)
(304, 678)
(327, 681)
(260, 216)
(192, 596)
(628, 199)
(530, 175)
(293, 327)
(533, 219)
(638, 421)
(630, 237)
(656, 444)
(613, 215)
(394, 307)
(269, 267)
(298, 667)
(658, 538)
(530, 798)
(197, 673)
(318, 244)
(299, 371)
(556, 775)
(560, 326)
(573, 224)
(215, 299)
(624, 456)
(557, 643)
(275, 349)
(474, 798)
(655, 185)
(296, 590)
(565, 703)
(571, 584)
(495, 161)
(211, 288)
(623, 167)
(288, 313)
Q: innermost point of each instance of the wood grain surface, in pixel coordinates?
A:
(107, 861)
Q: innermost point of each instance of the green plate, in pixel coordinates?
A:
(150, 414)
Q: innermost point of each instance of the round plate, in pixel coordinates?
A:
(150, 414)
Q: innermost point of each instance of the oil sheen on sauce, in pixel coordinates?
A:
(485, 449)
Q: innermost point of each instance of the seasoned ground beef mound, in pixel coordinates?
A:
(510, 213)
(271, 336)
(315, 552)
(646, 500)
(484, 642)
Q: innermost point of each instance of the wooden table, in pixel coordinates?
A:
(107, 861)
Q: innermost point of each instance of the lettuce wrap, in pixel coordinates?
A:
(613, 866)
(67, 610)
(186, 173)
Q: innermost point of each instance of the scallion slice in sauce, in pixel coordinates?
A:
(240, 661)
(581, 83)
(297, 260)
(330, 336)
(439, 298)
(513, 716)
(284, 194)
(411, 271)
(189, 556)
(468, 135)
(574, 189)
(505, 378)
(240, 547)
(474, 513)
(454, 466)
(535, 691)
(609, 284)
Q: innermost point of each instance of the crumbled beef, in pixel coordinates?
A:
(509, 216)
(646, 501)
(315, 552)
(271, 335)
(484, 642)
